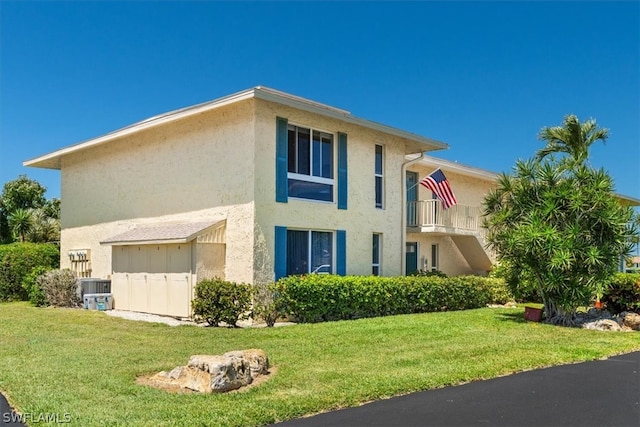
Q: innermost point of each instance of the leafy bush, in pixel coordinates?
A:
(35, 293)
(424, 273)
(266, 305)
(623, 294)
(60, 288)
(220, 301)
(518, 284)
(17, 260)
(316, 298)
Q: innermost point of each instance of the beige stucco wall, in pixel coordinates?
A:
(470, 191)
(197, 169)
(360, 220)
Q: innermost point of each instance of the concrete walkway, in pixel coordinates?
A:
(599, 393)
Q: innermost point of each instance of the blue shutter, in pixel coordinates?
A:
(280, 252)
(281, 160)
(341, 252)
(342, 171)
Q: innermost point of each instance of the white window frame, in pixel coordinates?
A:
(377, 265)
(378, 175)
(435, 257)
(311, 178)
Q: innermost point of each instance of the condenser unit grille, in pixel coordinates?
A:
(94, 286)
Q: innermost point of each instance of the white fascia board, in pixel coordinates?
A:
(448, 165)
(146, 242)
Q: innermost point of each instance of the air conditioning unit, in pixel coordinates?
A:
(94, 286)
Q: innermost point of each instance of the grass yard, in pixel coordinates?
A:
(85, 363)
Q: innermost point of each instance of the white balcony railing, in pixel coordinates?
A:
(429, 213)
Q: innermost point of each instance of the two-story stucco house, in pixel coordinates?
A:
(252, 187)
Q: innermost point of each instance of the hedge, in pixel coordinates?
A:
(318, 297)
(623, 293)
(16, 262)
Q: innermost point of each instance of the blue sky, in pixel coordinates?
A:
(484, 77)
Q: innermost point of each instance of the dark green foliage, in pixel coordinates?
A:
(17, 260)
(557, 222)
(221, 301)
(60, 288)
(35, 293)
(26, 215)
(426, 273)
(317, 298)
(623, 294)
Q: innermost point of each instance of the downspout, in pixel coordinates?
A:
(403, 249)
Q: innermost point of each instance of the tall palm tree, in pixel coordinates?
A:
(21, 222)
(573, 138)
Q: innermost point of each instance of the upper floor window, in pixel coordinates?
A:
(379, 176)
(310, 163)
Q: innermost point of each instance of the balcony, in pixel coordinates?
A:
(462, 223)
(428, 216)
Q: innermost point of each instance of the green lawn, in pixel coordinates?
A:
(85, 363)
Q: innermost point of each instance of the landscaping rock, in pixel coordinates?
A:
(215, 373)
(603, 325)
(630, 320)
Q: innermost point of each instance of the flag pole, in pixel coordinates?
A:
(417, 183)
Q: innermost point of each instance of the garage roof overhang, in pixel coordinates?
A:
(160, 234)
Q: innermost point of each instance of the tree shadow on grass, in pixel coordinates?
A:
(511, 317)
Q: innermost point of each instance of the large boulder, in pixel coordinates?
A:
(631, 320)
(215, 373)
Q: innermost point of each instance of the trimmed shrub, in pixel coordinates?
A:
(317, 298)
(623, 293)
(35, 293)
(17, 260)
(220, 301)
(266, 306)
(60, 288)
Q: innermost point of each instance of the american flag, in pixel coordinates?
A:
(439, 185)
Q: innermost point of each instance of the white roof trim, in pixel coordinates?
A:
(52, 160)
(459, 168)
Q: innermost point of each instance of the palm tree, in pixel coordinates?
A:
(573, 138)
(21, 222)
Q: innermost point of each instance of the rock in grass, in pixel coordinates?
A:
(215, 373)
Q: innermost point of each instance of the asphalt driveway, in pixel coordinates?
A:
(599, 393)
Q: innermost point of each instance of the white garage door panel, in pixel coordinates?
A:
(120, 291)
(153, 279)
(138, 292)
(179, 292)
(157, 293)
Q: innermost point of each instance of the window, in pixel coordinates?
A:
(434, 257)
(310, 164)
(309, 252)
(379, 176)
(376, 248)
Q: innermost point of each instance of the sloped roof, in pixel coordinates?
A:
(161, 233)
(53, 160)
